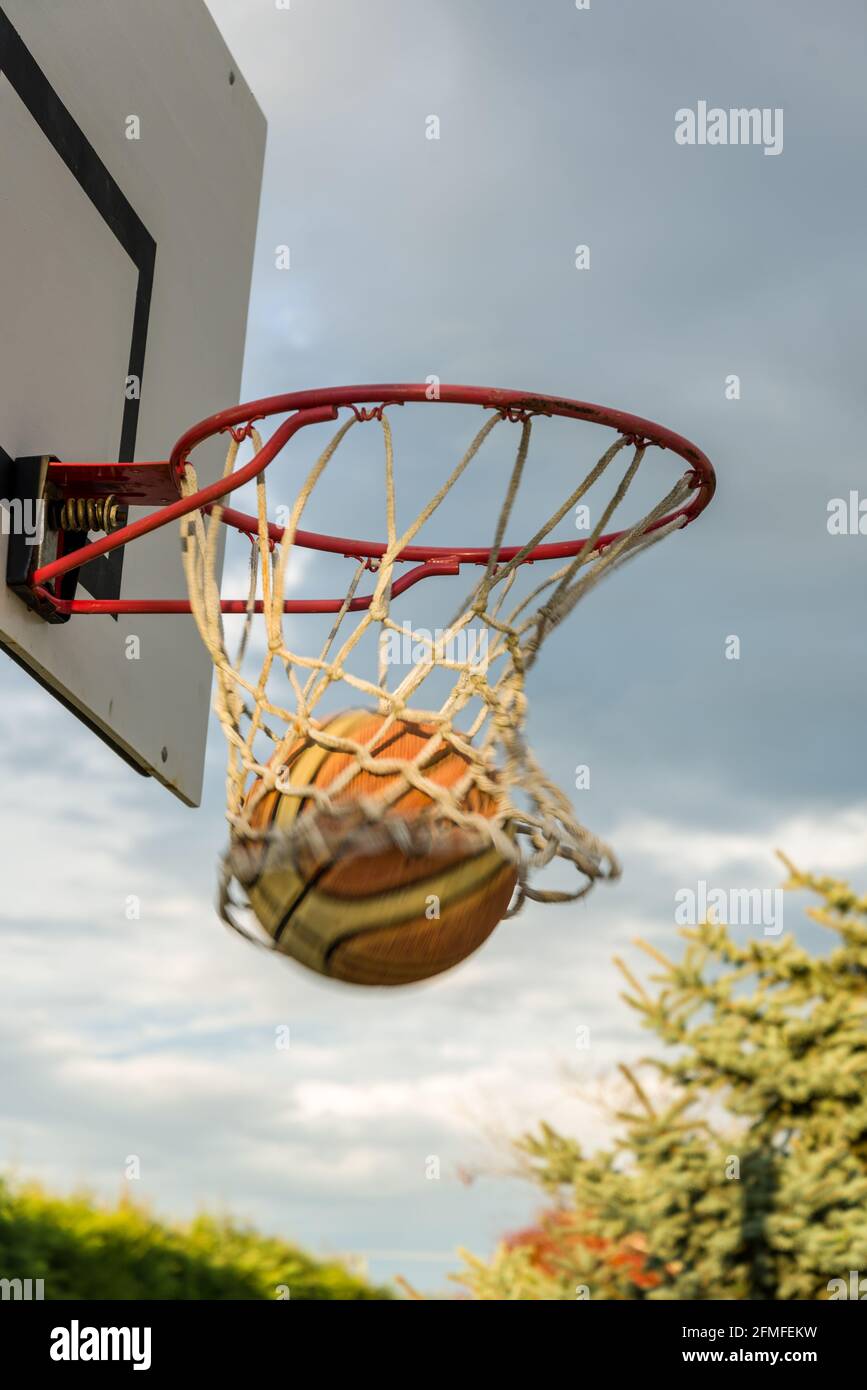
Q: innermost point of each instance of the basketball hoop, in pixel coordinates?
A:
(481, 719)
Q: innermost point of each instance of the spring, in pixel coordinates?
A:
(87, 514)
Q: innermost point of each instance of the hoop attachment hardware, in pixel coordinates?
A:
(241, 432)
(520, 414)
(86, 514)
(364, 413)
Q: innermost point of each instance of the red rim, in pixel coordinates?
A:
(318, 406)
(514, 404)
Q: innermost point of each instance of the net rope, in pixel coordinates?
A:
(532, 820)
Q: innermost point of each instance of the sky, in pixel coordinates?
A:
(456, 257)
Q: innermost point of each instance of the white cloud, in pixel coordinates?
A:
(822, 841)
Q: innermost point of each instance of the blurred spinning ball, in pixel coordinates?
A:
(372, 914)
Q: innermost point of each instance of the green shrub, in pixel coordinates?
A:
(84, 1250)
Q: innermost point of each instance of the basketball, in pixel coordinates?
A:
(383, 917)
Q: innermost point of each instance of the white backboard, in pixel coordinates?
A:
(131, 154)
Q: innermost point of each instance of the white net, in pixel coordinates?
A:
(271, 698)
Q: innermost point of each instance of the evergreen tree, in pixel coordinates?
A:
(749, 1180)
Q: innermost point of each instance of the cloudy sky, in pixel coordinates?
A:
(456, 257)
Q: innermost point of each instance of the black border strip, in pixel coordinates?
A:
(102, 577)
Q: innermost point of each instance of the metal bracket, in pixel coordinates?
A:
(33, 541)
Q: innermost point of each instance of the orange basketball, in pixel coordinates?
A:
(384, 917)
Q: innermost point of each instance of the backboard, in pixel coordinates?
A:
(131, 154)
